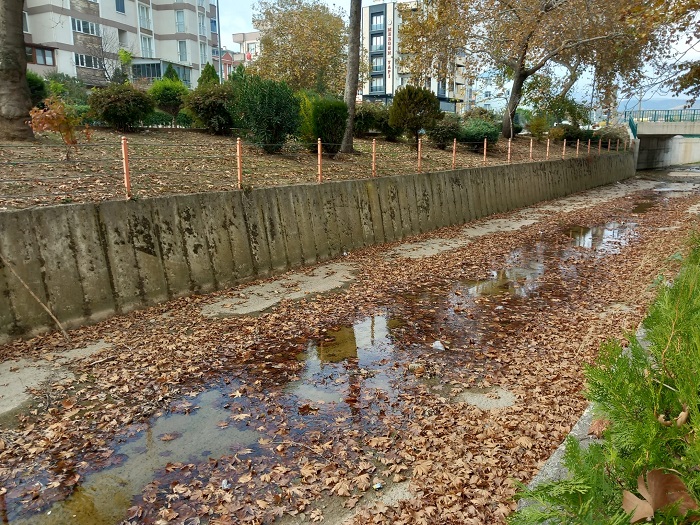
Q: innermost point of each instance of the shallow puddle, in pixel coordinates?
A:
(104, 496)
(610, 238)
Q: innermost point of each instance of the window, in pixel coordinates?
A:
(215, 51)
(120, 7)
(148, 71)
(202, 52)
(376, 85)
(213, 26)
(252, 48)
(202, 25)
(83, 26)
(185, 73)
(145, 16)
(146, 46)
(180, 21)
(182, 50)
(25, 22)
(121, 34)
(39, 55)
(377, 43)
(487, 94)
(378, 64)
(377, 22)
(87, 61)
(200, 3)
(442, 88)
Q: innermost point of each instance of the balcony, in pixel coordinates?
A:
(377, 27)
(376, 47)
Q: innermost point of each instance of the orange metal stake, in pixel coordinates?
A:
(485, 145)
(125, 162)
(454, 153)
(320, 173)
(547, 158)
(589, 147)
(530, 149)
(509, 142)
(617, 147)
(374, 157)
(578, 143)
(608, 145)
(600, 144)
(239, 162)
(563, 151)
(420, 142)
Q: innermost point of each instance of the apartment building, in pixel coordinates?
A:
(82, 38)
(381, 38)
(248, 46)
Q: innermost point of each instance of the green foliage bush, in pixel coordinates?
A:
(37, 88)
(651, 396)
(184, 119)
(69, 89)
(307, 133)
(570, 132)
(158, 118)
(121, 106)
(390, 132)
(612, 133)
(208, 76)
(445, 131)
(365, 119)
(414, 109)
(169, 95)
(270, 112)
(538, 126)
(475, 130)
(211, 106)
(329, 117)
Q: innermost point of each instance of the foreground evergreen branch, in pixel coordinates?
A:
(651, 396)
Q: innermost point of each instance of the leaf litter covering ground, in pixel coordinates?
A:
(174, 162)
(397, 417)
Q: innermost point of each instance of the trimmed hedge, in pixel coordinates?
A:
(121, 106)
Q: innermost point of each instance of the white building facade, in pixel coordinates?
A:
(82, 38)
(381, 38)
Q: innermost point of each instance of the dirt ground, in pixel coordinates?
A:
(508, 308)
(171, 162)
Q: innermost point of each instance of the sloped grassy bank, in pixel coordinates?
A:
(649, 398)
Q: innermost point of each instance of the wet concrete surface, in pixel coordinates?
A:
(356, 375)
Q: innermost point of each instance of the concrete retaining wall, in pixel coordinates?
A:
(88, 261)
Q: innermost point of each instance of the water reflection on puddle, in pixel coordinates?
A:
(105, 496)
(610, 238)
(334, 365)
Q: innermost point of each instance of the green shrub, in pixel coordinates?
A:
(270, 112)
(446, 130)
(184, 119)
(390, 132)
(307, 134)
(85, 115)
(483, 114)
(211, 106)
(121, 106)
(208, 76)
(538, 126)
(475, 130)
(169, 95)
(170, 73)
(158, 118)
(37, 88)
(329, 117)
(365, 119)
(414, 109)
(570, 133)
(612, 133)
(67, 88)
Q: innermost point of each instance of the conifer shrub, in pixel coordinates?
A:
(307, 133)
(121, 106)
(211, 104)
(270, 112)
(169, 95)
(38, 90)
(414, 109)
(329, 116)
(208, 76)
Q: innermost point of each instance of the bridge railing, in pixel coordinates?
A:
(664, 115)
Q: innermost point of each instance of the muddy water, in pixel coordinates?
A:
(354, 375)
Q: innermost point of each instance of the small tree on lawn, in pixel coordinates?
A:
(414, 108)
(270, 112)
(208, 76)
(169, 95)
(121, 106)
(211, 104)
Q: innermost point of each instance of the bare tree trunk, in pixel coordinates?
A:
(15, 101)
(353, 74)
(516, 94)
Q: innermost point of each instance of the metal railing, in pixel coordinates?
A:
(664, 115)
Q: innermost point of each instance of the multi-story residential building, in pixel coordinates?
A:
(381, 37)
(82, 38)
(248, 45)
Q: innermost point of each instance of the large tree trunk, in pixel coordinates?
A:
(516, 94)
(352, 77)
(15, 101)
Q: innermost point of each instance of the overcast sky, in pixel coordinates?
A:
(236, 17)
